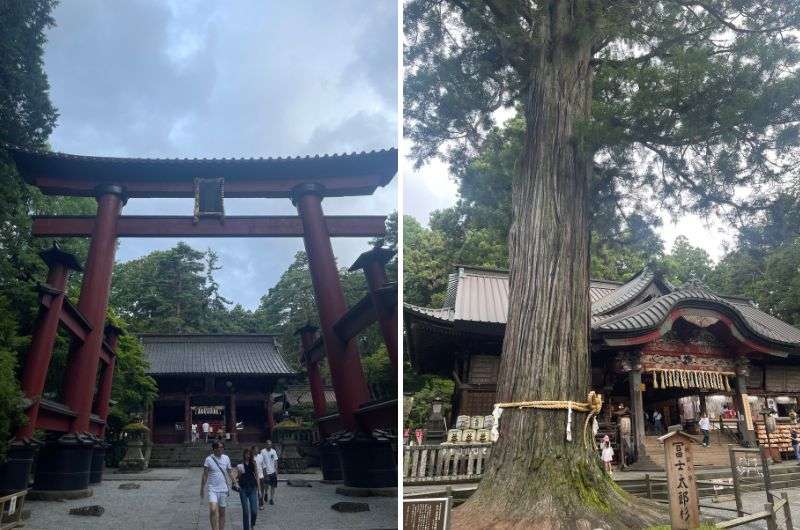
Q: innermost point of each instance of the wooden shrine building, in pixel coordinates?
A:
(651, 344)
(222, 380)
(73, 448)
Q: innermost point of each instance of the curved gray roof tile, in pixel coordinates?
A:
(214, 354)
(624, 294)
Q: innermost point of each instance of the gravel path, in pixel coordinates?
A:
(170, 499)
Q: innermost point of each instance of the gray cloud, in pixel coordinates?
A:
(251, 78)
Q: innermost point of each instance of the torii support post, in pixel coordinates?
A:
(69, 458)
(367, 462)
(112, 334)
(330, 463)
(373, 263)
(40, 352)
(16, 469)
(347, 375)
(312, 368)
(81, 369)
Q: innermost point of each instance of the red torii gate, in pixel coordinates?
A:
(306, 181)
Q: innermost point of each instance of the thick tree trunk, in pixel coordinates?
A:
(537, 479)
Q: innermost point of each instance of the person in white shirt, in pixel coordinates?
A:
(269, 459)
(607, 453)
(705, 426)
(205, 430)
(259, 458)
(216, 483)
(194, 432)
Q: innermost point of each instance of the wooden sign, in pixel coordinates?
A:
(426, 514)
(684, 507)
(748, 415)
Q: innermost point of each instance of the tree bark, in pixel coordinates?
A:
(537, 479)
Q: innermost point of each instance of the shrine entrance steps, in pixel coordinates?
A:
(714, 456)
(192, 455)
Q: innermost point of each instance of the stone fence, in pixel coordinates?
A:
(439, 464)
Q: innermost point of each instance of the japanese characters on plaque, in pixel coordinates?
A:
(683, 500)
(426, 514)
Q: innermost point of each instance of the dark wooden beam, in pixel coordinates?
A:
(185, 226)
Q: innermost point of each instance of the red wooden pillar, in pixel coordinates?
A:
(81, 368)
(269, 414)
(104, 389)
(347, 375)
(373, 263)
(232, 419)
(37, 361)
(312, 367)
(187, 418)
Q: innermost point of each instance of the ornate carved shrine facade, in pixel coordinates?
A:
(654, 347)
(71, 455)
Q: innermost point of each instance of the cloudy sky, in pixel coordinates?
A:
(190, 78)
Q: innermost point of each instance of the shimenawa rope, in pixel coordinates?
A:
(593, 405)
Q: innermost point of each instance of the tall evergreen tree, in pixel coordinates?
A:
(685, 101)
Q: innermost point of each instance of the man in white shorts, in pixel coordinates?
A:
(218, 475)
(205, 431)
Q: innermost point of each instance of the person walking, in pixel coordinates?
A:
(606, 453)
(270, 461)
(249, 489)
(216, 484)
(259, 458)
(796, 445)
(194, 432)
(705, 426)
(206, 426)
(657, 421)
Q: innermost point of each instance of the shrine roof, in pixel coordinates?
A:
(53, 171)
(185, 354)
(651, 314)
(477, 296)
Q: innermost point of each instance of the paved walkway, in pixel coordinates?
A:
(170, 499)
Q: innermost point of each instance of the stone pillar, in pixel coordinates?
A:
(740, 399)
(81, 368)
(187, 418)
(637, 407)
(40, 352)
(347, 375)
(233, 431)
(312, 368)
(104, 390)
(373, 263)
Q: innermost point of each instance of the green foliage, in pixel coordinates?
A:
(26, 119)
(690, 100)
(132, 389)
(686, 262)
(425, 388)
(172, 291)
(290, 305)
(26, 114)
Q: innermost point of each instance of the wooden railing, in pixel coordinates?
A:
(436, 464)
(11, 510)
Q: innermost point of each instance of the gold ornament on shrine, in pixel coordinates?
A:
(691, 379)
